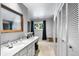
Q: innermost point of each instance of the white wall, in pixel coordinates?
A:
(49, 28)
(25, 16)
(13, 36)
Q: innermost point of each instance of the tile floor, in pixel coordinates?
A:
(46, 48)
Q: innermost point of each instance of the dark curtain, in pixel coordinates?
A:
(32, 27)
(44, 37)
(28, 26)
(11, 25)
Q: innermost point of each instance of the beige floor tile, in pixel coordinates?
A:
(46, 48)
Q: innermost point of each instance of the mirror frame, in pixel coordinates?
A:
(13, 11)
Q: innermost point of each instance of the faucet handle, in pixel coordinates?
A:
(10, 45)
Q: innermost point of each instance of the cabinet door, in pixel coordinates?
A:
(23, 52)
(31, 50)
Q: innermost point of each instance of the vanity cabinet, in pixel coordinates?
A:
(31, 50)
(27, 51)
(24, 48)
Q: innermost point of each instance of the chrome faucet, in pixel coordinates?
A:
(10, 44)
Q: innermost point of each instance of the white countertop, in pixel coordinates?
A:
(5, 51)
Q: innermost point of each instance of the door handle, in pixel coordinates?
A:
(62, 40)
(71, 47)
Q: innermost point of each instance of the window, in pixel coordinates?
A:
(38, 25)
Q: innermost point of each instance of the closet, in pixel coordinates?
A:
(67, 29)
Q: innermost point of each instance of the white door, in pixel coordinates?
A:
(58, 34)
(73, 33)
(63, 31)
(56, 40)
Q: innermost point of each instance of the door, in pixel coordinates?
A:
(73, 26)
(56, 40)
(58, 34)
(63, 32)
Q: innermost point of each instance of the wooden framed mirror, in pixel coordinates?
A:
(11, 21)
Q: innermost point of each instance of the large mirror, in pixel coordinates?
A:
(11, 21)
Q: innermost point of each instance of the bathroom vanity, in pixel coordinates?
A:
(22, 44)
(25, 47)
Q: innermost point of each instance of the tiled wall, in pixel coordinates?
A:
(10, 36)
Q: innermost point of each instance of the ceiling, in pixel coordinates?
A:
(41, 10)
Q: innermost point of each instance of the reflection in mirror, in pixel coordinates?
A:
(28, 26)
(7, 25)
(11, 20)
